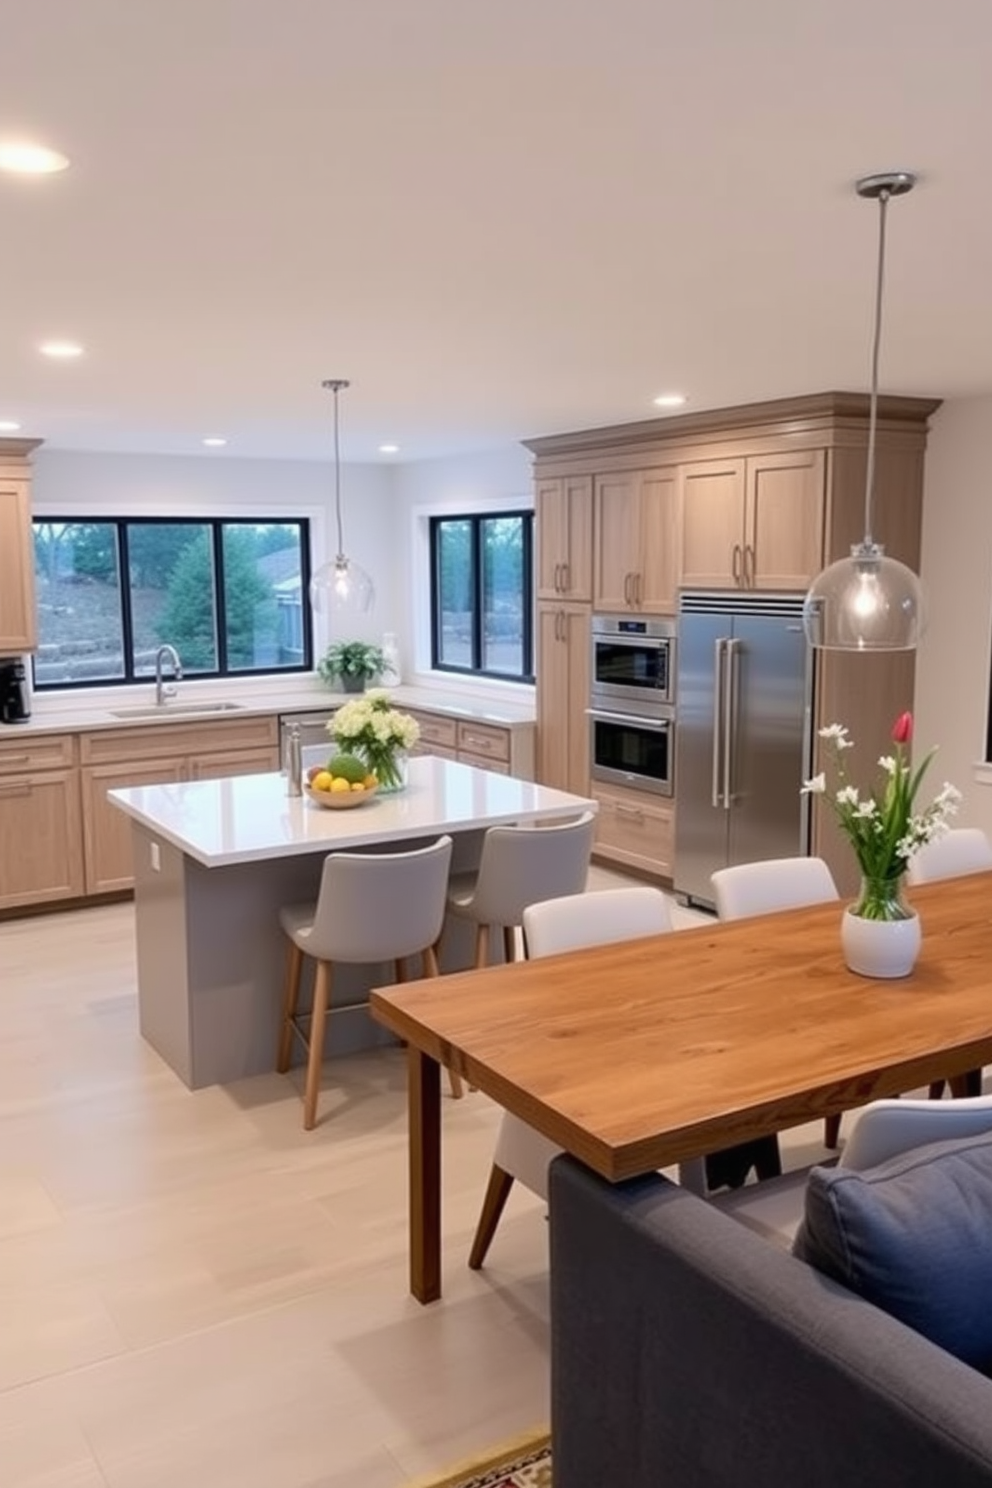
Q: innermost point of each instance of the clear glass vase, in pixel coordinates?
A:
(390, 768)
(880, 932)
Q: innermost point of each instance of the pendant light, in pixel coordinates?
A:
(868, 602)
(341, 588)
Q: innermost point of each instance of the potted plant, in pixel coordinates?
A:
(354, 662)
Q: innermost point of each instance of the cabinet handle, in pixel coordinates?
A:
(637, 590)
(736, 564)
(626, 588)
(14, 759)
(749, 566)
(475, 742)
(633, 812)
(566, 577)
(559, 578)
(16, 788)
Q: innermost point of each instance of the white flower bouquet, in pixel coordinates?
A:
(378, 733)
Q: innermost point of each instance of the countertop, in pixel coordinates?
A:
(63, 715)
(251, 818)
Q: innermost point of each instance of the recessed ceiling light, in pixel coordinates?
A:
(669, 400)
(389, 449)
(8, 426)
(25, 159)
(214, 441)
(63, 350)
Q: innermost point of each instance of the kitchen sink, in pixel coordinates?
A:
(166, 711)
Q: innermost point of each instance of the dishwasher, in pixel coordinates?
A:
(316, 745)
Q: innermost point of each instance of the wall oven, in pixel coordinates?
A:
(633, 660)
(634, 747)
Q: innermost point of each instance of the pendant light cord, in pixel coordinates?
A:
(883, 202)
(335, 384)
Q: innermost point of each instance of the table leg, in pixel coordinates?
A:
(424, 1084)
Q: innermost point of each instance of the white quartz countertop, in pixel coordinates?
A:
(251, 817)
(193, 705)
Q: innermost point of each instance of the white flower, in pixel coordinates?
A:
(816, 786)
(835, 731)
(848, 795)
(888, 764)
(866, 809)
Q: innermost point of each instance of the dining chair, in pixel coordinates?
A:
(881, 1130)
(772, 884)
(961, 850)
(371, 907)
(519, 866)
(556, 925)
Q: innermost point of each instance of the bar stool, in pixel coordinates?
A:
(371, 907)
(520, 866)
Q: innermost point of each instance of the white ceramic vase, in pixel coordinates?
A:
(880, 948)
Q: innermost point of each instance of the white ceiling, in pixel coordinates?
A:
(499, 218)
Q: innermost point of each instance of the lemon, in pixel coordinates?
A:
(322, 781)
(370, 782)
(358, 785)
(339, 784)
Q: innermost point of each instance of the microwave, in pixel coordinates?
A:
(633, 660)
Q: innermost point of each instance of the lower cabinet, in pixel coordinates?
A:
(41, 855)
(635, 828)
(484, 745)
(107, 831)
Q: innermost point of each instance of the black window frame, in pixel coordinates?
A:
(216, 526)
(477, 521)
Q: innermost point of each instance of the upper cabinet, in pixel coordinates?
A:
(753, 523)
(18, 613)
(564, 537)
(635, 541)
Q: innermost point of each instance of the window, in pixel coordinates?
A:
(482, 595)
(227, 594)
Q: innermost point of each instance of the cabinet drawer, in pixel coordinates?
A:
(635, 828)
(482, 762)
(436, 730)
(30, 753)
(171, 741)
(480, 739)
(438, 751)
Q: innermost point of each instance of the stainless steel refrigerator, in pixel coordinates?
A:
(743, 735)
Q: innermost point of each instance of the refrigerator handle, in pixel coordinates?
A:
(730, 711)
(719, 648)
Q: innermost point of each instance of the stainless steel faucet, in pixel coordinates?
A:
(164, 690)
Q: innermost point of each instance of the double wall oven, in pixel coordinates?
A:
(632, 702)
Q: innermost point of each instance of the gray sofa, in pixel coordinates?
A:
(688, 1351)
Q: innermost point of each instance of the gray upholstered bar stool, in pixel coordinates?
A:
(371, 907)
(520, 866)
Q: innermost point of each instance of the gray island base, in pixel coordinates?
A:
(215, 861)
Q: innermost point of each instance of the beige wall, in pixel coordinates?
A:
(952, 675)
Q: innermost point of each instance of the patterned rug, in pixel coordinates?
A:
(524, 1462)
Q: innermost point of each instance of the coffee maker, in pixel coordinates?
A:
(15, 702)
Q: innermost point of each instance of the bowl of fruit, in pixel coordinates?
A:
(343, 782)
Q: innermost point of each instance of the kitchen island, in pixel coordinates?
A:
(214, 862)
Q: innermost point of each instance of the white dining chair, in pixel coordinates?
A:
(749, 889)
(518, 866)
(959, 851)
(556, 925)
(371, 907)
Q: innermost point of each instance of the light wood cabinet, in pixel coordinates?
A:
(563, 676)
(563, 509)
(107, 831)
(635, 828)
(636, 541)
(753, 523)
(486, 746)
(18, 611)
(40, 839)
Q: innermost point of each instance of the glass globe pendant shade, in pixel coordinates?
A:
(865, 603)
(341, 589)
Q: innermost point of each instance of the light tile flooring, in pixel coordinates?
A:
(193, 1291)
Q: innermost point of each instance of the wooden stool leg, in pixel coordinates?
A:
(968, 1084)
(315, 1056)
(290, 998)
(482, 946)
(431, 969)
(509, 943)
(401, 969)
(831, 1131)
(936, 1089)
(497, 1194)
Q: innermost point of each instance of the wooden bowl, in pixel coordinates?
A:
(340, 800)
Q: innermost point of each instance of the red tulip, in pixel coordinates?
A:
(902, 733)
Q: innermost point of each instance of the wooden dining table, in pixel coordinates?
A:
(637, 1055)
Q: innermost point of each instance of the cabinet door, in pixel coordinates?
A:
(106, 830)
(785, 516)
(658, 567)
(222, 766)
(713, 524)
(564, 537)
(40, 841)
(617, 528)
(563, 696)
(18, 618)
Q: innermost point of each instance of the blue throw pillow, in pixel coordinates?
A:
(914, 1237)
